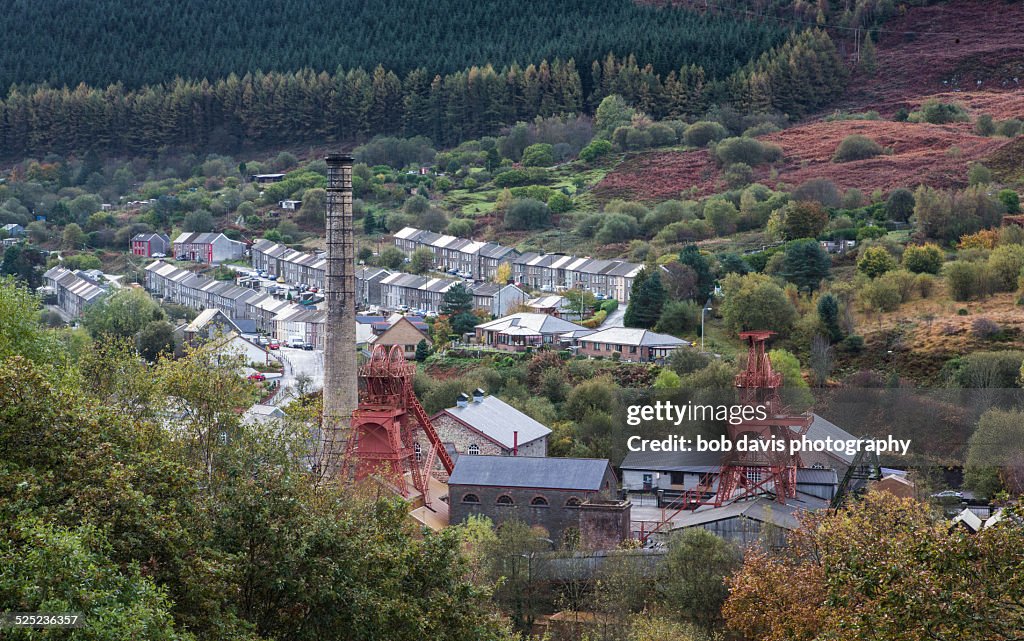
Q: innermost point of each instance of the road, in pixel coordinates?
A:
(296, 363)
(615, 318)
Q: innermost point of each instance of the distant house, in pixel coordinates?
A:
(13, 230)
(151, 244)
(552, 305)
(208, 324)
(632, 344)
(263, 415)
(308, 324)
(264, 179)
(402, 332)
(208, 247)
(368, 284)
(75, 290)
(486, 425)
(523, 330)
(497, 300)
(290, 205)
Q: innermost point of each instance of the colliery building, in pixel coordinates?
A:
(572, 499)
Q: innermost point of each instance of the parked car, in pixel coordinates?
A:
(262, 340)
(258, 377)
(159, 255)
(308, 346)
(274, 345)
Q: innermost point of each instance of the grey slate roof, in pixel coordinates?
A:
(497, 420)
(583, 474)
(763, 509)
(673, 461)
(821, 429)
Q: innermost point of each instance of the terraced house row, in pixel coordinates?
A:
(380, 287)
(278, 318)
(550, 272)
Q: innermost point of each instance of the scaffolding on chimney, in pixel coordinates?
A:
(340, 383)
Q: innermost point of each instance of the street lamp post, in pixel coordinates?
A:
(706, 308)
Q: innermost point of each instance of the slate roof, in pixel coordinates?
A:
(548, 473)
(542, 323)
(821, 429)
(635, 336)
(497, 420)
(763, 509)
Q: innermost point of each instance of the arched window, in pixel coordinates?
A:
(473, 449)
(572, 502)
(505, 499)
(539, 500)
(470, 498)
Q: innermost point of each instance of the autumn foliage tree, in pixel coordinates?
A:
(884, 568)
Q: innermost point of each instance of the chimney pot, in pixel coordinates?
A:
(463, 400)
(478, 395)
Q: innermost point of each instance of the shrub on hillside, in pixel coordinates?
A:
(750, 151)
(875, 261)
(881, 295)
(967, 280)
(939, 113)
(527, 213)
(985, 328)
(703, 132)
(923, 259)
(518, 177)
(596, 149)
(820, 190)
(856, 147)
(900, 205)
(539, 155)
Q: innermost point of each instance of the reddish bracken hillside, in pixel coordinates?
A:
(970, 53)
(955, 46)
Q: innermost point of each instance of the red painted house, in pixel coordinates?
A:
(151, 245)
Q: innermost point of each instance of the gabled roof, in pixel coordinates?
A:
(635, 336)
(542, 323)
(498, 421)
(540, 472)
(207, 316)
(762, 509)
(203, 238)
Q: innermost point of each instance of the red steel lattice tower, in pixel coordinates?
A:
(382, 435)
(762, 470)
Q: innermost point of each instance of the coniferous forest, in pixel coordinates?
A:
(137, 43)
(260, 108)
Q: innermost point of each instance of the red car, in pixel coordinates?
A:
(274, 345)
(257, 377)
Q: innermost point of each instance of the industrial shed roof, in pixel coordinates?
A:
(539, 472)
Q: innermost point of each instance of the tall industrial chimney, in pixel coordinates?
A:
(340, 376)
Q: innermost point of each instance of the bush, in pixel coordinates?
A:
(985, 328)
(923, 259)
(539, 155)
(1010, 128)
(617, 228)
(925, 284)
(881, 295)
(722, 215)
(527, 213)
(967, 280)
(738, 175)
(1004, 267)
(984, 126)
(856, 147)
(518, 177)
(746, 150)
(875, 261)
(559, 203)
(679, 317)
(703, 132)
(978, 174)
(939, 113)
(756, 302)
(852, 343)
(900, 205)
(1010, 199)
(820, 190)
(596, 149)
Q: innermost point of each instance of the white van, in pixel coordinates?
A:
(297, 342)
